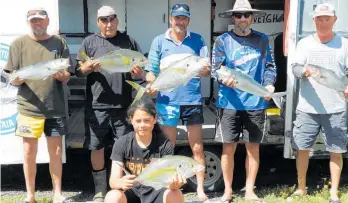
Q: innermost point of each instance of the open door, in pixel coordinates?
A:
(299, 24)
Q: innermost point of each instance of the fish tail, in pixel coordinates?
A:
(84, 55)
(12, 76)
(277, 96)
(141, 90)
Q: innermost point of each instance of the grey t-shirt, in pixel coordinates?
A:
(314, 97)
(106, 90)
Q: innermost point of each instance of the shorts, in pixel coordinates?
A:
(233, 125)
(104, 126)
(333, 126)
(153, 196)
(33, 127)
(170, 115)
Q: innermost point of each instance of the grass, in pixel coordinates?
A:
(270, 195)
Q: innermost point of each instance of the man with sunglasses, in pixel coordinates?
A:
(184, 102)
(41, 105)
(241, 115)
(108, 95)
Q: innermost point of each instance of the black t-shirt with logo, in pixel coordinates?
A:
(135, 159)
(105, 90)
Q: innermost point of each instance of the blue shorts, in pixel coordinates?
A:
(169, 115)
(333, 126)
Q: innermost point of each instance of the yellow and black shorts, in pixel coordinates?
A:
(34, 127)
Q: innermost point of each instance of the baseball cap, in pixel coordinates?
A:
(106, 11)
(180, 10)
(37, 13)
(324, 9)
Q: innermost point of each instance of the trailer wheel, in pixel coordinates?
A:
(213, 181)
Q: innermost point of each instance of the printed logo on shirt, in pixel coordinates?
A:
(136, 166)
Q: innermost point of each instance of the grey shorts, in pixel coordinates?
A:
(333, 126)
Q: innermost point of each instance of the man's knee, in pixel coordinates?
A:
(334, 155)
(252, 147)
(173, 196)
(115, 196)
(229, 149)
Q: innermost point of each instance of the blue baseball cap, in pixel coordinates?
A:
(180, 10)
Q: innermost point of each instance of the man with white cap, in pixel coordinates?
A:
(108, 95)
(239, 112)
(40, 110)
(183, 103)
(319, 107)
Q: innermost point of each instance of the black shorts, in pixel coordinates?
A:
(153, 196)
(104, 126)
(231, 124)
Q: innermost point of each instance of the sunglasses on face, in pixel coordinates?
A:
(181, 7)
(108, 19)
(240, 15)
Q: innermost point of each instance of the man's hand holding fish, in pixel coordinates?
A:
(178, 182)
(90, 66)
(346, 93)
(150, 77)
(270, 88)
(62, 76)
(229, 82)
(17, 81)
(126, 182)
(137, 72)
(204, 72)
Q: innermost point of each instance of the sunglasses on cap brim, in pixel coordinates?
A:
(108, 18)
(240, 15)
(180, 7)
(34, 12)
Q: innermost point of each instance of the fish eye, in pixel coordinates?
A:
(133, 59)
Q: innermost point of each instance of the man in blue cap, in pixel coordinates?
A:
(185, 102)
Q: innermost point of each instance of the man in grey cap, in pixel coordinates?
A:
(40, 110)
(319, 107)
(239, 112)
(108, 95)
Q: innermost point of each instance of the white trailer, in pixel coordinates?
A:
(143, 20)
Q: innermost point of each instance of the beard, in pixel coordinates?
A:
(242, 28)
(38, 31)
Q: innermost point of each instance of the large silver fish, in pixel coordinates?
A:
(328, 78)
(160, 173)
(174, 74)
(121, 60)
(247, 84)
(41, 70)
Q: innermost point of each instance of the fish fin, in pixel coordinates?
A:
(84, 55)
(13, 76)
(345, 80)
(139, 88)
(277, 98)
(123, 169)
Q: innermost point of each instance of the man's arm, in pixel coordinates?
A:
(270, 74)
(64, 75)
(13, 62)
(218, 57)
(300, 60)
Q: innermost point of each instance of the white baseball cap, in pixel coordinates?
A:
(106, 11)
(325, 9)
(37, 13)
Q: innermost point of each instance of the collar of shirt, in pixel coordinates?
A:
(167, 36)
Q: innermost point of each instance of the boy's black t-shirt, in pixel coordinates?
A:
(135, 159)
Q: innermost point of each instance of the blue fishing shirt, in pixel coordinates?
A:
(251, 55)
(163, 46)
